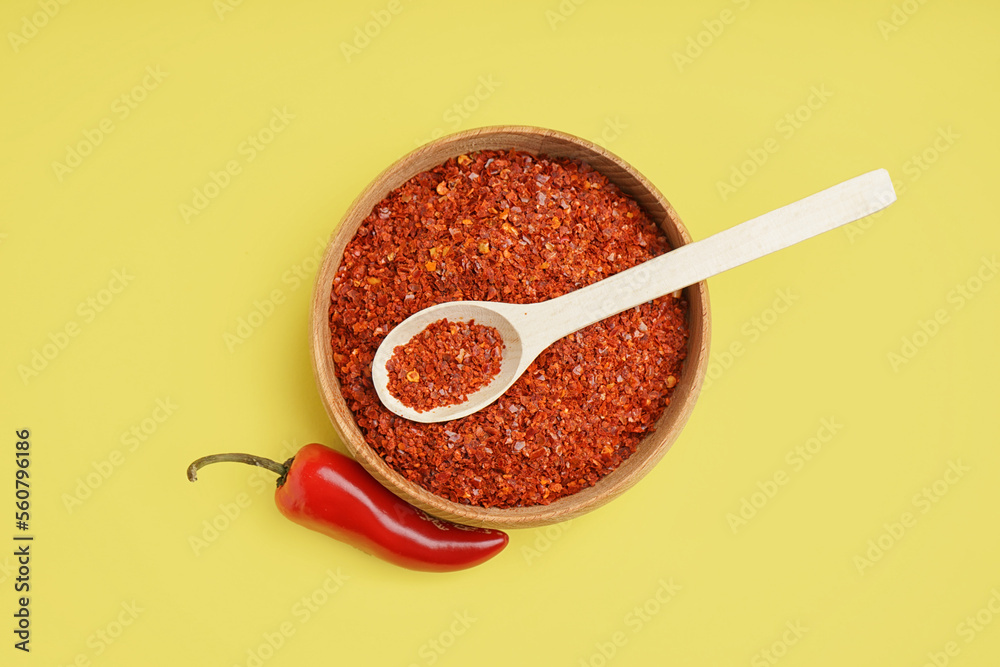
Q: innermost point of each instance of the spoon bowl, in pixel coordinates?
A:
(501, 316)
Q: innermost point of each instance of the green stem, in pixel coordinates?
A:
(249, 459)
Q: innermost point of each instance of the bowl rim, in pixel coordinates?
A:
(655, 444)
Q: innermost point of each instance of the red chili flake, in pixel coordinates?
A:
(520, 229)
(444, 363)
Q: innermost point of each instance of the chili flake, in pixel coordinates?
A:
(444, 363)
(521, 229)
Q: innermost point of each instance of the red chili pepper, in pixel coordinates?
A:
(328, 492)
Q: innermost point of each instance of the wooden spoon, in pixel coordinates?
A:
(527, 329)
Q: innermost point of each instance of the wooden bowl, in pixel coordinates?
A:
(650, 449)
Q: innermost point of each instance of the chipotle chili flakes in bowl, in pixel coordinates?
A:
(509, 226)
(444, 363)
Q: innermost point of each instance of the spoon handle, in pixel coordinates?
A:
(694, 262)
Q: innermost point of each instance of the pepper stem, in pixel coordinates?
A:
(249, 459)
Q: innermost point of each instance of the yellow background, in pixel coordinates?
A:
(908, 86)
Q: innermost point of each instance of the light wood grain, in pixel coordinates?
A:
(650, 450)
